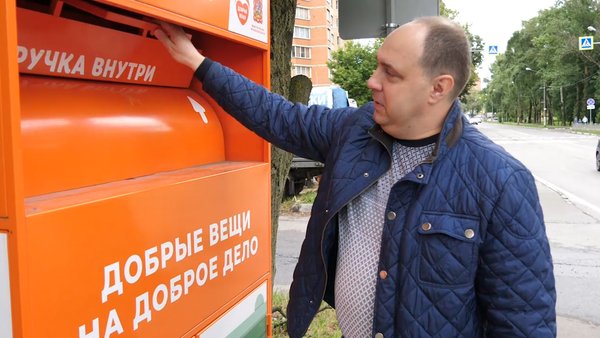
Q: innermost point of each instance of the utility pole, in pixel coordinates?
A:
(545, 114)
(562, 107)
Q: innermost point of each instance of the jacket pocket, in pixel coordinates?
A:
(448, 249)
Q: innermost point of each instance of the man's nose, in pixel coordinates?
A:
(373, 82)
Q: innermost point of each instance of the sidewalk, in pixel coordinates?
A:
(568, 327)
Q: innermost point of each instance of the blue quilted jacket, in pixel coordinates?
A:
(464, 249)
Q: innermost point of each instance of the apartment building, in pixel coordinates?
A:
(316, 36)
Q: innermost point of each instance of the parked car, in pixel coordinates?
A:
(598, 156)
(301, 171)
(475, 120)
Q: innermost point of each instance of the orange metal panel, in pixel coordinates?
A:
(4, 144)
(50, 45)
(118, 173)
(75, 238)
(240, 143)
(226, 19)
(79, 133)
(212, 12)
(11, 190)
(9, 110)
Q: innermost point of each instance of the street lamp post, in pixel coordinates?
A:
(544, 98)
(545, 113)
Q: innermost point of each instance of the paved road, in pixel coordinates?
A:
(569, 190)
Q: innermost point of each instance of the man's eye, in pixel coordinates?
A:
(390, 72)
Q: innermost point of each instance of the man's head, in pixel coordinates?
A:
(447, 51)
(422, 67)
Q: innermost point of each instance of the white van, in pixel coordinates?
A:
(331, 96)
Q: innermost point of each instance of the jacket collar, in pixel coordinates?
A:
(449, 135)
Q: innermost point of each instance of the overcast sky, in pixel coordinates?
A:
(495, 21)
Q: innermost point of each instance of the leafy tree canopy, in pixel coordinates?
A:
(544, 68)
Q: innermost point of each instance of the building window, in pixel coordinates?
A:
(301, 52)
(301, 70)
(302, 13)
(301, 32)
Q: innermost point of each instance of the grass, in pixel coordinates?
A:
(324, 325)
(307, 196)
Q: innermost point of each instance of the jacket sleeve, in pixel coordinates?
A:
(515, 280)
(294, 127)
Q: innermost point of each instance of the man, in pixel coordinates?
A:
(422, 227)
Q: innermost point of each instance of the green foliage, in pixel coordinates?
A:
(324, 324)
(351, 67)
(473, 103)
(547, 45)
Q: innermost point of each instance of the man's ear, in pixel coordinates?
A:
(441, 87)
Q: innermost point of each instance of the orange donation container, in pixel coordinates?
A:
(131, 204)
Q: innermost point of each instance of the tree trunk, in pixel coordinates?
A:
(283, 13)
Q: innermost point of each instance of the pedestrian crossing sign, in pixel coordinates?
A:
(493, 49)
(586, 42)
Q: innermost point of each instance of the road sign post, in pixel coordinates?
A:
(586, 42)
(591, 104)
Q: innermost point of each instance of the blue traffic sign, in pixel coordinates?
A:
(493, 49)
(591, 101)
(586, 42)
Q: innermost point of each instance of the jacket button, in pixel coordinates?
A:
(366, 174)
(383, 274)
(426, 226)
(391, 215)
(420, 176)
(469, 233)
(379, 335)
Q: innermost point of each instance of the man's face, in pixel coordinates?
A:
(400, 87)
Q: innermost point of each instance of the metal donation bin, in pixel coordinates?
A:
(131, 204)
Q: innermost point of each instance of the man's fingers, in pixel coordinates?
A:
(164, 38)
(173, 31)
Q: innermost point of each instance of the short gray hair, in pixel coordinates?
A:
(446, 50)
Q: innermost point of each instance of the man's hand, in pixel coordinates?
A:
(178, 44)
